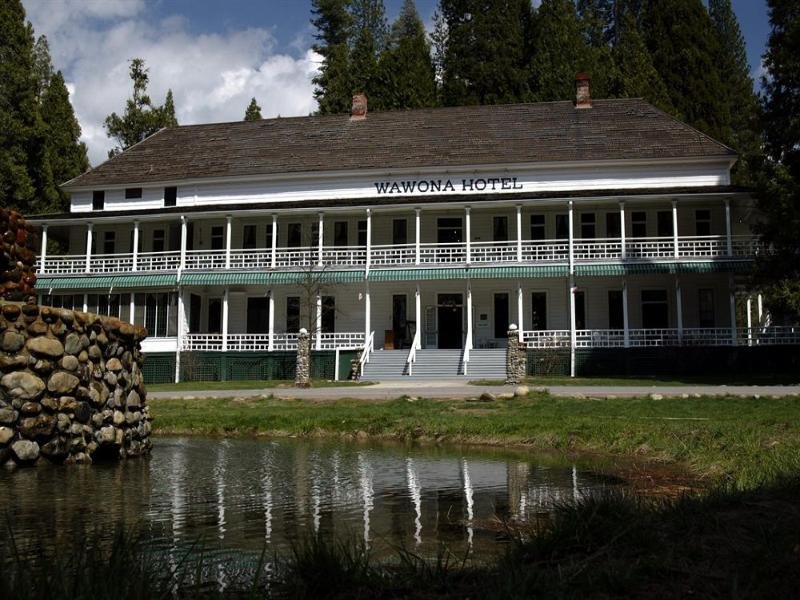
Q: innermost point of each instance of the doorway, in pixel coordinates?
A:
(257, 314)
(501, 315)
(399, 321)
(450, 317)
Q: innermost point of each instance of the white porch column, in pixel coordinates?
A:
(184, 237)
(728, 226)
(418, 317)
(626, 334)
(228, 237)
(675, 228)
(369, 241)
(271, 321)
(469, 317)
(520, 311)
(274, 241)
(86, 303)
(318, 326)
(679, 309)
(416, 237)
(43, 253)
(572, 336)
(135, 249)
(367, 313)
(225, 313)
(734, 337)
(623, 251)
(519, 244)
(89, 231)
(133, 309)
(749, 320)
(469, 233)
(760, 306)
(182, 330)
(320, 240)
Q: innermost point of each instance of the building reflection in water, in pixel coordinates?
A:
(415, 493)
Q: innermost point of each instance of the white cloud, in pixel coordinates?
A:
(212, 76)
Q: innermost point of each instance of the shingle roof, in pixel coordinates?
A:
(441, 137)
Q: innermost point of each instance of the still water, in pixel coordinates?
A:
(239, 496)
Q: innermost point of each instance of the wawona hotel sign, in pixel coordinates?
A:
(430, 186)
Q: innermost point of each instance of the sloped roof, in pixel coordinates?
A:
(438, 137)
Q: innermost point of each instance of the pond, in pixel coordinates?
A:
(237, 496)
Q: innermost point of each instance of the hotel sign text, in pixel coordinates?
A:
(430, 186)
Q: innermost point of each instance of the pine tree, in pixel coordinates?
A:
(141, 118)
(253, 112)
(405, 77)
(485, 54)
(369, 36)
(559, 51)
(42, 65)
(333, 89)
(686, 53)
(596, 22)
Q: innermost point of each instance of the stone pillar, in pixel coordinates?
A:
(302, 376)
(516, 357)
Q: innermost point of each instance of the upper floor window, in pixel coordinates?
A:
(217, 237)
(613, 225)
(340, 233)
(249, 236)
(98, 200)
(362, 232)
(133, 193)
(537, 227)
(399, 231)
(664, 223)
(170, 196)
(500, 229)
(109, 242)
(294, 235)
(562, 227)
(702, 221)
(588, 228)
(159, 240)
(639, 224)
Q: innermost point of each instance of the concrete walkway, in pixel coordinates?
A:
(458, 388)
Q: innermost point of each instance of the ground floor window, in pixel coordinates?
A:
(538, 311)
(328, 314)
(158, 312)
(258, 314)
(655, 310)
(215, 315)
(616, 314)
(107, 304)
(706, 308)
(70, 301)
(292, 314)
(580, 310)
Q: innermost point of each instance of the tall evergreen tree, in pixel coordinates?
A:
(369, 35)
(333, 88)
(559, 51)
(779, 183)
(596, 18)
(686, 53)
(405, 71)
(485, 55)
(253, 112)
(141, 118)
(42, 65)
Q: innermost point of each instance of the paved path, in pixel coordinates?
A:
(444, 388)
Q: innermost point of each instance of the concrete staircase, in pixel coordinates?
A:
(433, 364)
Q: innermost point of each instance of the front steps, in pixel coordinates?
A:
(432, 364)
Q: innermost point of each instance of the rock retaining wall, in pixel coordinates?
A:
(17, 256)
(71, 386)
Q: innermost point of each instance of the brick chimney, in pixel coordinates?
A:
(583, 97)
(359, 110)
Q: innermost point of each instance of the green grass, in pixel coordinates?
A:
(198, 386)
(747, 379)
(743, 441)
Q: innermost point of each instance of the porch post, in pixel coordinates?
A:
(369, 241)
(519, 244)
(181, 332)
(43, 253)
(626, 334)
(468, 342)
(760, 308)
(520, 310)
(367, 313)
(135, 249)
(749, 320)
(734, 337)
(469, 233)
(320, 239)
(416, 237)
(679, 309)
(572, 335)
(418, 316)
(274, 240)
(318, 344)
(675, 228)
(271, 334)
(623, 252)
(728, 226)
(225, 313)
(133, 308)
(86, 303)
(183, 242)
(89, 231)
(228, 236)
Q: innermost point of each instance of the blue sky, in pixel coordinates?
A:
(214, 54)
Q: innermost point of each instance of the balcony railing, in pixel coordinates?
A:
(259, 342)
(504, 252)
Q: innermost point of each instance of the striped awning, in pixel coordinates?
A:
(45, 283)
(655, 268)
(271, 278)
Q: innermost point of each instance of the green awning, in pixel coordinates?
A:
(655, 268)
(518, 272)
(97, 282)
(271, 278)
(416, 274)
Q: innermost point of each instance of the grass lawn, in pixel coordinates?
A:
(743, 441)
(548, 380)
(195, 386)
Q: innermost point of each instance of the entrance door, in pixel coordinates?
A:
(501, 315)
(450, 316)
(257, 315)
(399, 322)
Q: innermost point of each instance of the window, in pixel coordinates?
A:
(314, 241)
(133, 193)
(449, 230)
(294, 235)
(538, 311)
(170, 196)
(655, 311)
(664, 223)
(195, 306)
(217, 237)
(639, 224)
(98, 200)
(268, 237)
(109, 242)
(257, 314)
(160, 313)
(362, 233)
(580, 310)
(249, 236)
(501, 315)
(588, 226)
(175, 237)
(562, 227)
(399, 231)
(215, 315)
(702, 221)
(538, 227)
(500, 229)
(616, 315)
(292, 314)
(106, 304)
(706, 308)
(158, 240)
(340, 233)
(613, 225)
(328, 314)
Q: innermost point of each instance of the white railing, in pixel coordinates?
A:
(259, 342)
(62, 265)
(110, 263)
(649, 248)
(365, 352)
(248, 260)
(205, 259)
(295, 257)
(597, 249)
(492, 252)
(443, 254)
(546, 338)
(158, 261)
(201, 342)
(768, 336)
(412, 353)
(341, 340)
(397, 254)
(345, 256)
(545, 250)
(284, 341)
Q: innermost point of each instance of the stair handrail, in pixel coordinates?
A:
(368, 344)
(412, 353)
(467, 344)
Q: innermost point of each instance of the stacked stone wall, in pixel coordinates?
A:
(71, 386)
(18, 242)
